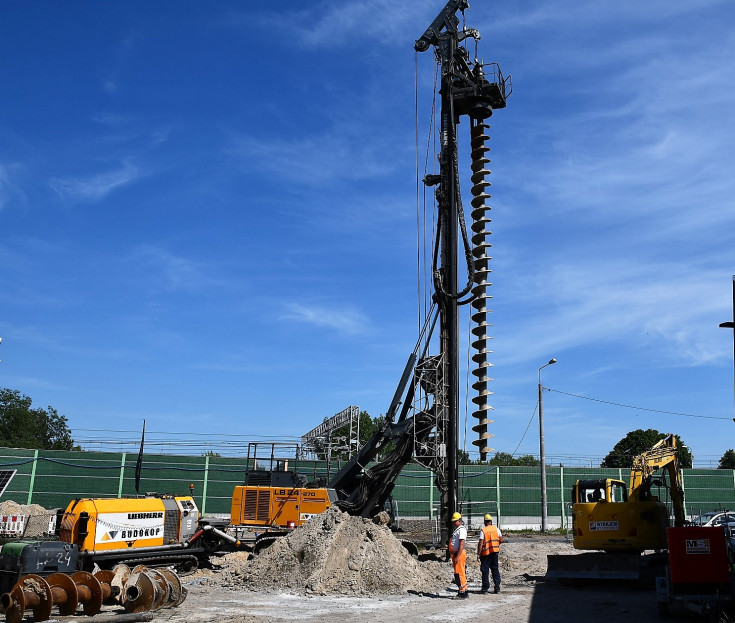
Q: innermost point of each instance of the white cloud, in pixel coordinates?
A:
(4, 186)
(668, 310)
(315, 160)
(175, 271)
(95, 187)
(344, 320)
(8, 187)
(326, 24)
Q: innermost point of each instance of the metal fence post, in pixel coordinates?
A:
(33, 476)
(497, 491)
(431, 495)
(204, 486)
(561, 495)
(122, 475)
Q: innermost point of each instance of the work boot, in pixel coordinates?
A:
(497, 590)
(485, 591)
(463, 595)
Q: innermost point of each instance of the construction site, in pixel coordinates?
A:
(394, 530)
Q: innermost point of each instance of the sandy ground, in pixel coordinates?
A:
(340, 569)
(522, 599)
(541, 603)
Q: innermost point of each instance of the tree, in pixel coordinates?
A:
(24, 427)
(728, 460)
(506, 459)
(638, 441)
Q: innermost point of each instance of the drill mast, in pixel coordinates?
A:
(472, 89)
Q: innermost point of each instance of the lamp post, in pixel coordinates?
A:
(731, 324)
(542, 453)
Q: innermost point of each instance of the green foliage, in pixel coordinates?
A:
(506, 459)
(728, 460)
(24, 427)
(638, 441)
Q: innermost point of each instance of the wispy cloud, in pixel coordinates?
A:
(666, 310)
(345, 320)
(316, 159)
(95, 187)
(175, 272)
(327, 25)
(126, 47)
(9, 189)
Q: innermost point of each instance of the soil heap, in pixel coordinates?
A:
(37, 518)
(335, 553)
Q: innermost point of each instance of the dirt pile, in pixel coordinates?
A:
(334, 553)
(37, 518)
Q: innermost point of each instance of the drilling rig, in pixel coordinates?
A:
(473, 89)
(421, 422)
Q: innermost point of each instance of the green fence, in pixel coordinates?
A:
(53, 478)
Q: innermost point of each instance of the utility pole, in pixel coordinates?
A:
(542, 447)
(731, 325)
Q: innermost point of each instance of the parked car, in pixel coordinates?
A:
(715, 518)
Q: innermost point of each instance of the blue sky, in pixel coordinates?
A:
(208, 215)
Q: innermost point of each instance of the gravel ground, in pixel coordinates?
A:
(525, 597)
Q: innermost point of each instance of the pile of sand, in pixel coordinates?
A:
(37, 518)
(334, 553)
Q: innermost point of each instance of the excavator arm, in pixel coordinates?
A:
(664, 455)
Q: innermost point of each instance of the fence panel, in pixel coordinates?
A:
(511, 494)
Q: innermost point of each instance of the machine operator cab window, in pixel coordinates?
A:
(592, 491)
(618, 492)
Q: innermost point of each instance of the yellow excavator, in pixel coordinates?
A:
(621, 523)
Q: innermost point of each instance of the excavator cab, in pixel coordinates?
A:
(593, 491)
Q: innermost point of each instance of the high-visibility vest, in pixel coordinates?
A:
(490, 540)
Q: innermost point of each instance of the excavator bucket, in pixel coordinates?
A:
(606, 566)
(594, 566)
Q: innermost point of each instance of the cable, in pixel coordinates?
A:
(533, 415)
(617, 404)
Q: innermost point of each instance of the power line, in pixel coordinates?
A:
(617, 404)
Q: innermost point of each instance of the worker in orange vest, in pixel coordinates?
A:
(459, 555)
(487, 553)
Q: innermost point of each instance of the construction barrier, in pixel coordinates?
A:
(53, 478)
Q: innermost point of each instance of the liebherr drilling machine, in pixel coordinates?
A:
(421, 422)
(422, 419)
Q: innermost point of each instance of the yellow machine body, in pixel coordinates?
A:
(277, 507)
(610, 517)
(101, 524)
(614, 524)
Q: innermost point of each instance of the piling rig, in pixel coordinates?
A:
(421, 422)
(473, 89)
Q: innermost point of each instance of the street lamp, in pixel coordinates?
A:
(542, 452)
(731, 324)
